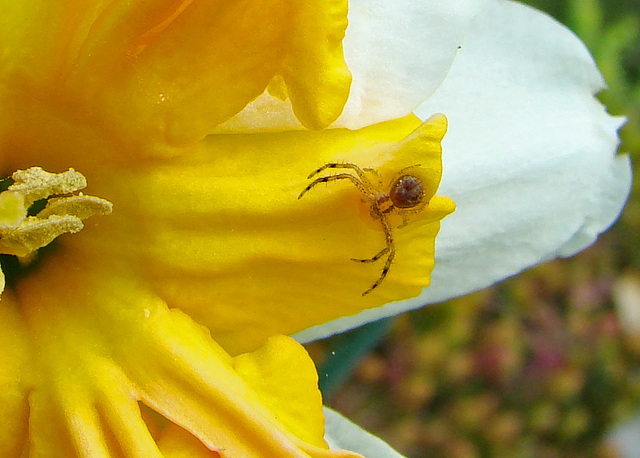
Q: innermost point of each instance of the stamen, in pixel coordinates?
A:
(35, 184)
(22, 235)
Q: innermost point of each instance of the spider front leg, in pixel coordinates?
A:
(389, 250)
(342, 165)
(341, 176)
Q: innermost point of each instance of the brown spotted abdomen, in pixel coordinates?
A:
(406, 192)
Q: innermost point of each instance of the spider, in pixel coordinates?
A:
(404, 195)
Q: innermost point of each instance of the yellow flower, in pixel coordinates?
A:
(208, 251)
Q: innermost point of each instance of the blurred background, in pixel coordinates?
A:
(546, 364)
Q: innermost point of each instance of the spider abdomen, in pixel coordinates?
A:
(406, 192)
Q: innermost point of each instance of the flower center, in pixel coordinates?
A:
(35, 208)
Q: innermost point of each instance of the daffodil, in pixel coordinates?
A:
(147, 318)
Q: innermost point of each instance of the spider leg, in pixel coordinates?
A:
(341, 176)
(375, 258)
(385, 271)
(389, 250)
(404, 169)
(342, 165)
(406, 211)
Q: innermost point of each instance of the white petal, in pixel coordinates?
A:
(530, 154)
(529, 157)
(343, 434)
(399, 52)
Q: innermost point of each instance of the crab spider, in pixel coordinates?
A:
(404, 195)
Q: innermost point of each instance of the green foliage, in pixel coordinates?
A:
(615, 47)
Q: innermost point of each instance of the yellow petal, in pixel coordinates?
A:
(314, 71)
(82, 403)
(182, 67)
(176, 442)
(287, 383)
(229, 242)
(14, 378)
(155, 75)
(102, 344)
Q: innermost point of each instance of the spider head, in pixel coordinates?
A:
(406, 192)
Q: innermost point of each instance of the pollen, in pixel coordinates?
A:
(12, 210)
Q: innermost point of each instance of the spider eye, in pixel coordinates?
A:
(406, 192)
